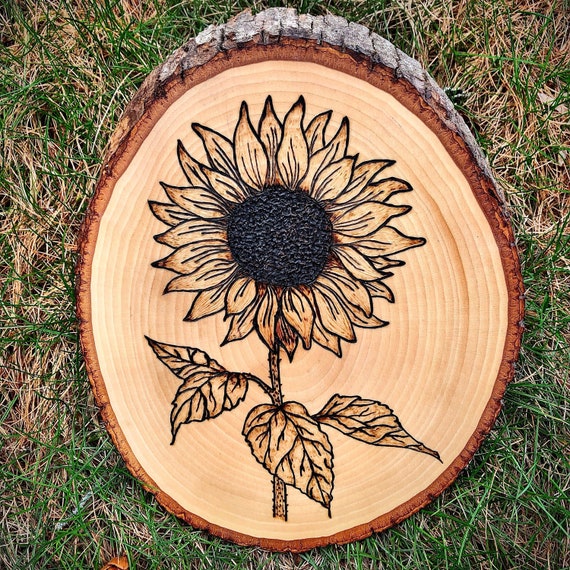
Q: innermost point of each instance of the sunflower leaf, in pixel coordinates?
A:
(291, 445)
(369, 421)
(207, 390)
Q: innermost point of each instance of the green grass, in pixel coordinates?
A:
(67, 69)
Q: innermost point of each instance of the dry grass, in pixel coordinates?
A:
(68, 68)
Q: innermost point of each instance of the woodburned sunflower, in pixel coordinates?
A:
(283, 231)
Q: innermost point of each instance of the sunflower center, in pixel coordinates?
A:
(280, 237)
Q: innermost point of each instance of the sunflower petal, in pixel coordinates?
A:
(332, 180)
(293, 152)
(368, 249)
(187, 257)
(168, 213)
(201, 202)
(362, 176)
(198, 264)
(298, 312)
(241, 324)
(356, 264)
(224, 185)
(265, 318)
(326, 339)
(332, 314)
(380, 289)
(387, 241)
(371, 322)
(190, 166)
(287, 337)
(194, 230)
(249, 153)
(315, 132)
(270, 132)
(211, 274)
(332, 152)
(380, 191)
(380, 263)
(218, 148)
(240, 295)
(363, 219)
(339, 143)
(352, 290)
(207, 302)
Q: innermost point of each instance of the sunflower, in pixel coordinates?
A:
(283, 231)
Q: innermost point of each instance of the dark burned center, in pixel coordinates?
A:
(280, 237)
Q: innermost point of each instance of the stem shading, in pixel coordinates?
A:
(279, 499)
(279, 487)
(275, 377)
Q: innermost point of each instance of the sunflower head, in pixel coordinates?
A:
(283, 231)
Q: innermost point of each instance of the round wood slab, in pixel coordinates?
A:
(299, 294)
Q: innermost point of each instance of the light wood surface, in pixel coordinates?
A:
(439, 367)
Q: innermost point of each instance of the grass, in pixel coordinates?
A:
(68, 68)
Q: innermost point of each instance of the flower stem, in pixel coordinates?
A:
(275, 377)
(279, 487)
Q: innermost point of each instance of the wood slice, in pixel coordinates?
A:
(298, 288)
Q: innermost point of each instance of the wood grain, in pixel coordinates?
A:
(443, 362)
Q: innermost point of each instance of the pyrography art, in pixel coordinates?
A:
(292, 239)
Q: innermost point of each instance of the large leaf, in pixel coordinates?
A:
(183, 360)
(207, 389)
(291, 445)
(369, 421)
